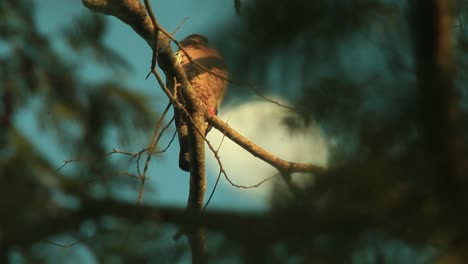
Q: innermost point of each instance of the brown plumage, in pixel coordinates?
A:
(209, 83)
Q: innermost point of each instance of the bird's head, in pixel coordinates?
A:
(194, 40)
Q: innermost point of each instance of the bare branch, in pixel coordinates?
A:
(169, 143)
(65, 162)
(162, 133)
(68, 245)
(154, 142)
(237, 7)
(441, 113)
(180, 25)
(131, 12)
(239, 226)
(259, 152)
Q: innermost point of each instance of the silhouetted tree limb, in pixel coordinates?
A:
(94, 209)
(440, 115)
(239, 226)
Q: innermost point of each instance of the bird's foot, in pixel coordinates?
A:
(211, 111)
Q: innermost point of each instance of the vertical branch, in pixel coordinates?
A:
(440, 116)
(197, 236)
(197, 164)
(198, 245)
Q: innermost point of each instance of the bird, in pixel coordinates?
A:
(209, 82)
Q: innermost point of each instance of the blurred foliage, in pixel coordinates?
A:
(87, 34)
(351, 67)
(78, 117)
(348, 65)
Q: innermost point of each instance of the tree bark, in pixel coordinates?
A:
(440, 114)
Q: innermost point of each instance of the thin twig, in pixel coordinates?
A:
(218, 177)
(133, 154)
(213, 191)
(222, 139)
(180, 25)
(154, 141)
(155, 48)
(69, 245)
(164, 129)
(127, 174)
(169, 144)
(65, 162)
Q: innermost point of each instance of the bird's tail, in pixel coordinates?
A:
(184, 154)
(183, 133)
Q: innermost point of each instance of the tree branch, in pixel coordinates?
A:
(280, 164)
(131, 12)
(238, 226)
(441, 112)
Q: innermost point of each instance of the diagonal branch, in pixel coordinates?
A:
(280, 164)
(131, 12)
(154, 141)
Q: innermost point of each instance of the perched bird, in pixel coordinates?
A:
(209, 83)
